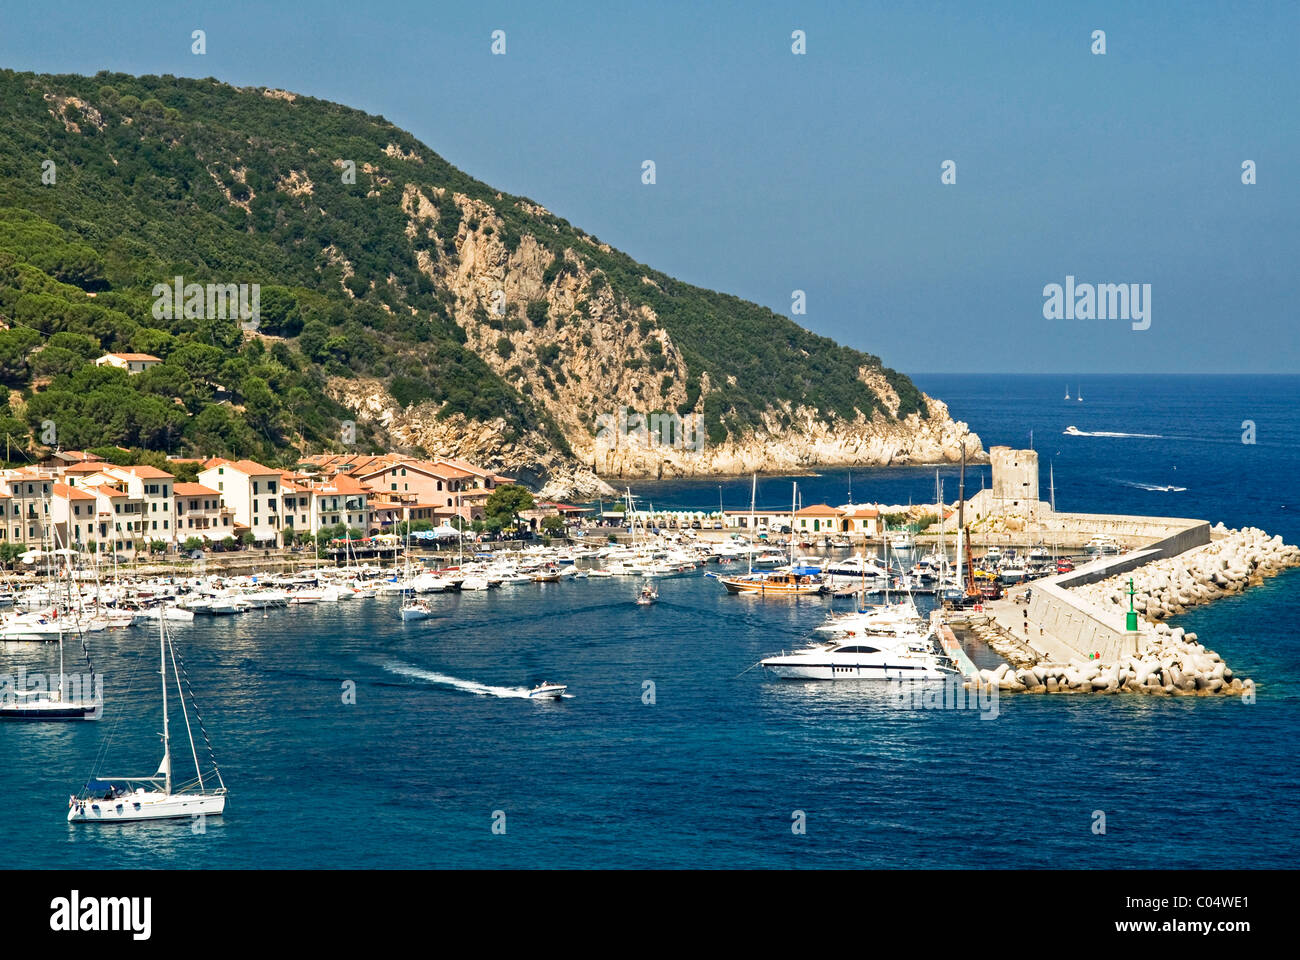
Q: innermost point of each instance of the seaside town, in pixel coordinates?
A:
(76, 499)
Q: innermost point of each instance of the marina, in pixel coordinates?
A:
(289, 658)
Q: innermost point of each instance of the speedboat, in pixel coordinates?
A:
(648, 596)
(547, 691)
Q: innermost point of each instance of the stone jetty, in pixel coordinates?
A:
(1166, 661)
(1172, 662)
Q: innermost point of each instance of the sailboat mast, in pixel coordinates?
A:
(943, 557)
(162, 674)
(794, 497)
(961, 510)
(753, 493)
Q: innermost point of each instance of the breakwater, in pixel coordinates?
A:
(1072, 638)
(1172, 663)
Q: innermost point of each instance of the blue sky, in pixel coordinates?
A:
(821, 172)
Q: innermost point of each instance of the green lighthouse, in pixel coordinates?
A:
(1131, 624)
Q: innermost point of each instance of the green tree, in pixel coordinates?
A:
(504, 504)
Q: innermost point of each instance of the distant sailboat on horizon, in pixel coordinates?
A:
(1067, 391)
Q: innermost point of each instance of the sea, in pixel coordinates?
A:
(349, 739)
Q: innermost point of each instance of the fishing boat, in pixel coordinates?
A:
(118, 799)
(547, 691)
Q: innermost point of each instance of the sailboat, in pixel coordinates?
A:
(118, 799)
(412, 609)
(1080, 396)
(51, 704)
(1067, 391)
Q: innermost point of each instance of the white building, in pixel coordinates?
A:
(130, 362)
(200, 513)
(252, 491)
(153, 489)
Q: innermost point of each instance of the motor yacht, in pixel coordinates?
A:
(860, 658)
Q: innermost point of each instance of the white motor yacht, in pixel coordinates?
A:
(860, 658)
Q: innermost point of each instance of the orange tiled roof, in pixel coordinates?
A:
(194, 490)
(71, 493)
(820, 510)
(134, 357)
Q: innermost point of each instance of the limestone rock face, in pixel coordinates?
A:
(549, 325)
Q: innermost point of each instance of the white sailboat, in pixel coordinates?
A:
(120, 799)
(52, 704)
(1067, 391)
(412, 609)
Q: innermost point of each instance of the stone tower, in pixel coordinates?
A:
(1015, 481)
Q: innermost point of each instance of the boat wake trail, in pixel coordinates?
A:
(1154, 487)
(1074, 432)
(469, 686)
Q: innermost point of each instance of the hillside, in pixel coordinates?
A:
(437, 313)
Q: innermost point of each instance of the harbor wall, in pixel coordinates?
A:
(1083, 627)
